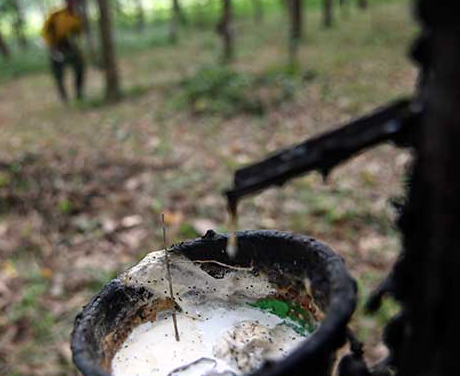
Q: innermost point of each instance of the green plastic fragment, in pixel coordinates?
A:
(294, 315)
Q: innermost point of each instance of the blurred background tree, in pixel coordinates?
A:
(328, 13)
(224, 29)
(258, 11)
(296, 11)
(4, 49)
(112, 85)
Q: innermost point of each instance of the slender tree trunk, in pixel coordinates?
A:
(140, 23)
(344, 8)
(224, 28)
(179, 13)
(258, 11)
(88, 30)
(296, 19)
(296, 33)
(173, 23)
(4, 50)
(363, 4)
(19, 24)
(327, 13)
(108, 51)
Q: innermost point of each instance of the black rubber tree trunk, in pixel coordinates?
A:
(424, 340)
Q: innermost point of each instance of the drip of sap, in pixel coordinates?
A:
(232, 242)
(226, 338)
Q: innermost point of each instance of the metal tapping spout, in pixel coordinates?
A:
(392, 122)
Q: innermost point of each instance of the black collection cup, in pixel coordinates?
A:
(109, 317)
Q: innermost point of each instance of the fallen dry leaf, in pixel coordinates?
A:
(131, 221)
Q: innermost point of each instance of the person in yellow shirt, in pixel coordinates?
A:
(60, 32)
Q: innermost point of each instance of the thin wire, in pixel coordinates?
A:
(168, 274)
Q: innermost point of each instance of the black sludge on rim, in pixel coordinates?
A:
(109, 317)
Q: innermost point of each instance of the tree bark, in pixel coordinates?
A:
(4, 50)
(112, 92)
(327, 13)
(19, 24)
(224, 28)
(140, 16)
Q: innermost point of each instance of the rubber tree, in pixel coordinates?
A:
(258, 11)
(224, 29)
(344, 8)
(363, 4)
(173, 23)
(328, 13)
(19, 23)
(177, 17)
(296, 34)
(423, 337)
(4, 49)
(179, 12)
(140, 15)
(112, 91)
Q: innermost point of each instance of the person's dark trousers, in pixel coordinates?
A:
(59, 62)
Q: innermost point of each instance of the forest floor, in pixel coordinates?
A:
(82, 187)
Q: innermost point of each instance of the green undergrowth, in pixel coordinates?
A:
(222, 90)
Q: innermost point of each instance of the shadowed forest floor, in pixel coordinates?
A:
(82, 187)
